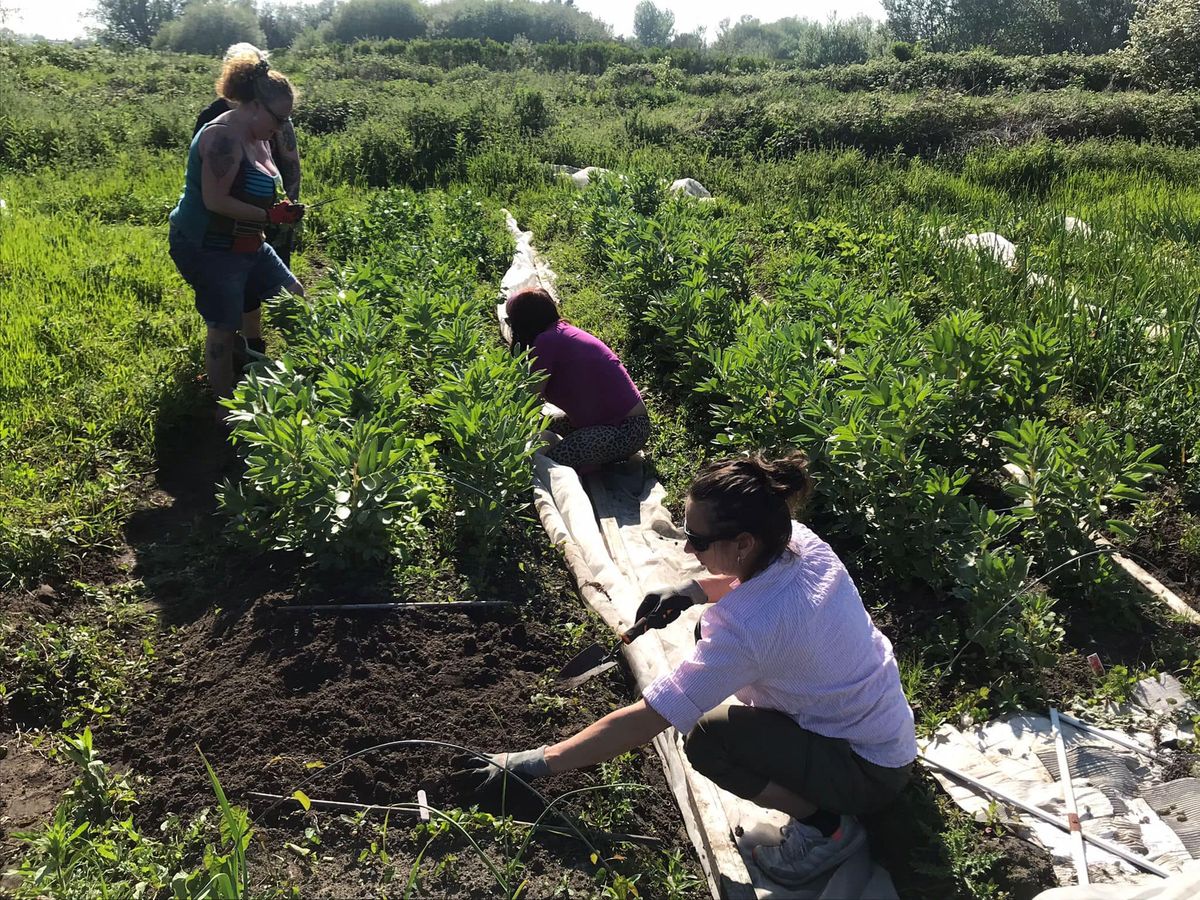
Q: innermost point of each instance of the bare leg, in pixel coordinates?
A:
(218, 359)
(776, 796)
(252, 324)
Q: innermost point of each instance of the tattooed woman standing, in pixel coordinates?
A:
(284, 151)
(232, 191)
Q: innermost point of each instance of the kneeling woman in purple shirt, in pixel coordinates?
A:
(606, 420)
(822, 731)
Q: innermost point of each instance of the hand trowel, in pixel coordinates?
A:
(597, 658)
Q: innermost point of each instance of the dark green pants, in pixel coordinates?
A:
(742, 748)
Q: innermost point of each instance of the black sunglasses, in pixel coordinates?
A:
(279, 120)
(701, 542)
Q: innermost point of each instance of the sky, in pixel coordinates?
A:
(65, 19)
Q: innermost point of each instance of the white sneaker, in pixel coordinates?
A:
(806, 853)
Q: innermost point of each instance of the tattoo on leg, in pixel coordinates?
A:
(220, 155)
(217, 348)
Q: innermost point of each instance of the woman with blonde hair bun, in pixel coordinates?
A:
(232, 191)
(284, 150)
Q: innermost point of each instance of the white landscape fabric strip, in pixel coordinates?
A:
(1007, 754)
(1185, 885)
(618, 543)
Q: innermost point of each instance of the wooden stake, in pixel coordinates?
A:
(423, 802)
(1064, 775)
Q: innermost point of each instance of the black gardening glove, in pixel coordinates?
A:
(661, 608)
(479, 774)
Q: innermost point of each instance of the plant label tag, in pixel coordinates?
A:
(423, 803)
(1097, 666)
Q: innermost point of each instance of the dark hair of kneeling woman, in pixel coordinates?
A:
(822, 731)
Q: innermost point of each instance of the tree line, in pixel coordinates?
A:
(1159, 38)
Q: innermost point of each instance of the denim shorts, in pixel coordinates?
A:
(228, 284)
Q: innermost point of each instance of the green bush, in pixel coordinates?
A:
(209, 27)
(503, 21)
(1164, 43)
(392, 425)
(317, 115)
(358, 19)
(530, 112)
(375, 153)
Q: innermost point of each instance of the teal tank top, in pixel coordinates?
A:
(216, 232)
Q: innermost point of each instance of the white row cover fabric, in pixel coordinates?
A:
(1120, 793)
(619, 541)
(1183, 886)
(581, 178)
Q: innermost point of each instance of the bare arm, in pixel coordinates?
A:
(716, 586)
(288, 162)
(222, 156)
(618, 732)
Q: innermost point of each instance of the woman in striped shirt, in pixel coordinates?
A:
(822, 730)
(232, 191)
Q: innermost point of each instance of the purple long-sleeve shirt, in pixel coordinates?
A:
(584, 378)
(797, 639)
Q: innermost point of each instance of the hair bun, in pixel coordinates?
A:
(262, 68)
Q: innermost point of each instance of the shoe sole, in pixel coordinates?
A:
(852, 847)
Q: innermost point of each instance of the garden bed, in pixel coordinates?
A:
(1168, 545)
(262, 693)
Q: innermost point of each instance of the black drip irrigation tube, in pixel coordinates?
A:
(569, 829)
(399, 606)
(423, 809)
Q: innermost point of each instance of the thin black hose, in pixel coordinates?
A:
(432, 743)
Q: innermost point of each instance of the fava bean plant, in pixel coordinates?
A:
(393, 420)
(852, 345)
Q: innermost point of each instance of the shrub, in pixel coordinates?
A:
(903, 51)
(322, 116)
(376, 153)
(503, 20)
(358, 19)
(1164, 43)
(530, 111)
(209, 27)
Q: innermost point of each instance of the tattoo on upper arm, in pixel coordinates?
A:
(220, 155)
(287, 137)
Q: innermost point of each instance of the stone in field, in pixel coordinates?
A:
(1077, 226)
(582, 177)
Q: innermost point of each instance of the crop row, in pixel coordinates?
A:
(393, 421)
(871, 356)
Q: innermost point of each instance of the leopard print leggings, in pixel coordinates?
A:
(596, 445)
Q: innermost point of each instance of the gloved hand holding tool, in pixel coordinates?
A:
(476, 773)
(656, 610)
(661, 608)
(285, 213)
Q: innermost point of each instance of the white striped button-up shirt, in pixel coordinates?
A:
(796, 638)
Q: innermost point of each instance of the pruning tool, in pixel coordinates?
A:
(598, 658)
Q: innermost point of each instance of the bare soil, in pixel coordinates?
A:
(1159, 550)
(264, 693)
